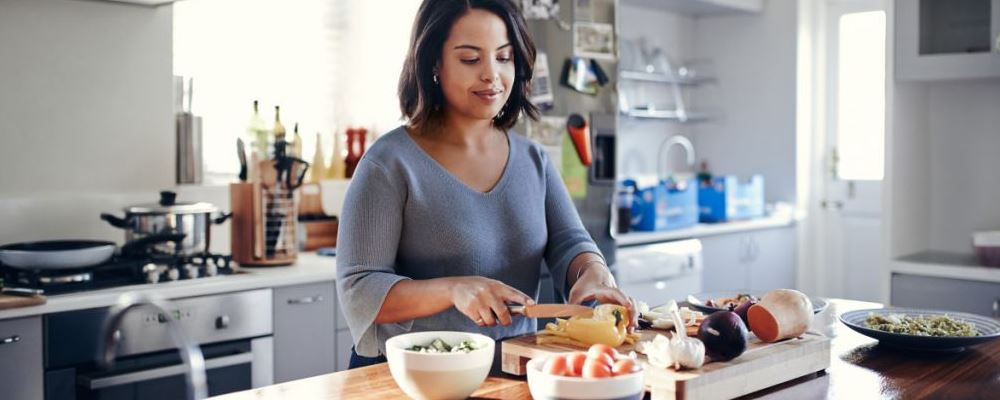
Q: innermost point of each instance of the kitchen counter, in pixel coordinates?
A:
(776, 220)
(309, 268)
(859, 369)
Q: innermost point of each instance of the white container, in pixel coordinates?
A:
(546, 386)
(439, 376)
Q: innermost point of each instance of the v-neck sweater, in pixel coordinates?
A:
(406, 217)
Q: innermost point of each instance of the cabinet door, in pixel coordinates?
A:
(304, 332)
(975, 297)
(725, 259)
(947, 39)
(21, 358)
(773, 259)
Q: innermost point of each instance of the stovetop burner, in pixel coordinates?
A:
(120, 271)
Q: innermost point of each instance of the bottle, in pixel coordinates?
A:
(624, 206)
(279, 129)
(355, 145)
(317, 170)
(257, 131)
(337, 167)
(704, 175)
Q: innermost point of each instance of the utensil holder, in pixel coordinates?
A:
(263, 224)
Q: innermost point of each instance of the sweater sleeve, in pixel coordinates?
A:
(367, 240)
(567, 236)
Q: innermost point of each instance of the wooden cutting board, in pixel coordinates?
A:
(762, 365)
(7, 301)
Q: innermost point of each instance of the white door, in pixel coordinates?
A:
(855, 142)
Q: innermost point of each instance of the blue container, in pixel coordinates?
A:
(725, 198)
(663, 206)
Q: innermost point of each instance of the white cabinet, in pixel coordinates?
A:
(21, 358)
(304, 331)
(947, 39)
(760, 260)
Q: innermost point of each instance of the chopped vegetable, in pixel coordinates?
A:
(678, 352)
(607, 325)
(439, 346)
(660, 317)
(921, 325)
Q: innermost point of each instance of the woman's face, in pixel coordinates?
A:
(476, 70)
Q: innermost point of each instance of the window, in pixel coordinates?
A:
(329, 64)
(861, 96)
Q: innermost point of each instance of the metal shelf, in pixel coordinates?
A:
(641, 76)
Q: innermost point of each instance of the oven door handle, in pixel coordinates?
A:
(163, 372)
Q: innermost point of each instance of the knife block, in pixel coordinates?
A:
(263, 224)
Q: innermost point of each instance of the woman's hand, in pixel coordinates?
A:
(597, 283)
(485, 300)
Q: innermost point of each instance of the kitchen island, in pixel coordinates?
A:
(860, 368)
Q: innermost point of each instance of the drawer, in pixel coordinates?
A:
(974, 297)
(21, 354)
(304, 333)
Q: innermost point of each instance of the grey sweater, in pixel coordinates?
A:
(406, 217)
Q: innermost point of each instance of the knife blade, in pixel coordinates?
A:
(550, 310)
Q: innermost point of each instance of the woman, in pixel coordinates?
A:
(449, 218)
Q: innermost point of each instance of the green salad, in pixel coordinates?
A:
(921, 325)
(439, 346)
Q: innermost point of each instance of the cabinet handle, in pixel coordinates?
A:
(306, 300)
(16, 338)
(996, 307)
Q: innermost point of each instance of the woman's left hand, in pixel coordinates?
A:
(597, 283)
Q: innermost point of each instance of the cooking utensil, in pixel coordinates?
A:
(988, 328)
(697, 301)
(194, 220)
(549, 310)
(242, 154)
(56, 254)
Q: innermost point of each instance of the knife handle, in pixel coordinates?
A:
(515, 309)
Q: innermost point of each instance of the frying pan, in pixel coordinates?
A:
(56, 254)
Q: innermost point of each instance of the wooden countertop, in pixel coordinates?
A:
(859, 369)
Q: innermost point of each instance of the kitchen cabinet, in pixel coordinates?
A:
(21, 358)
(947, 39)
(975, 297)
(305, 340)
(760, 260)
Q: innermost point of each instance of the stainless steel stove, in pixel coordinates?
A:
(122, 270)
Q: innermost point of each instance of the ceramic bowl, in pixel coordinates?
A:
(439, 376)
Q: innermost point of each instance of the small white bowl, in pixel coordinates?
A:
(439, 376)
(545, 386)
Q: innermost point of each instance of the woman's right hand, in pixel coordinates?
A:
(485, 300)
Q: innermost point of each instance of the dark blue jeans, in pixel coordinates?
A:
(359, 361)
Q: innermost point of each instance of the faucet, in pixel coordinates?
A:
(675, 140)
(191, 356)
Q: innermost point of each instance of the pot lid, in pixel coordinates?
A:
(168, 205)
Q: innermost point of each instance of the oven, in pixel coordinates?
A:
(233, 330)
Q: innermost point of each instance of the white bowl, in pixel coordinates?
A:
(434, 376)
(545, 386)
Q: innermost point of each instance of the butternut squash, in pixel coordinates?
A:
(780, 314)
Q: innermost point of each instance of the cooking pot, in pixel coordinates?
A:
(193, 220)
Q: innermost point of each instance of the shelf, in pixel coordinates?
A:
(641, 76)
(670, 115)
(702, 8)
(945, 265)
(777, 220)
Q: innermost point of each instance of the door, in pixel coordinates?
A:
(850, 256)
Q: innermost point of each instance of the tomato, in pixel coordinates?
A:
(597, 349)
(556, 365)
(593, 368)
(623, 367)
(574, 363)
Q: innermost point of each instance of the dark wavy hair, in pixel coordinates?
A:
(421, 100)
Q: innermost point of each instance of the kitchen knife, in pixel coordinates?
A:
(242, 154)
(550, 310)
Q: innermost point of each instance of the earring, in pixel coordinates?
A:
(435, 78)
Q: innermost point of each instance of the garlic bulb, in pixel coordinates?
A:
(686, 352)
